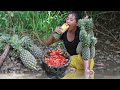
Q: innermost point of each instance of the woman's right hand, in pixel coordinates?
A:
(59, 30)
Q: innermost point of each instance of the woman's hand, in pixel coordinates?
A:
(59, 30)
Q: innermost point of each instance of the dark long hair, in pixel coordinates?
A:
(78, 14)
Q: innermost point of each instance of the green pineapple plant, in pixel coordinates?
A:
(4, 39)
(85, 41)
(26, 57)
(36, 51)
(86, 46)
(89, 25)
(28, 44)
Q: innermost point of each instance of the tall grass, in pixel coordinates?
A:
(38, 24)
(35, 23)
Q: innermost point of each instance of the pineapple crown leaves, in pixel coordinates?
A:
(91, 34)
(86, 41)
(5, 38)
(26, 41)
(86, 31)
(88, 24)
(81, 22)
(15, 42)
(84, 37)
(83, 33)
(93, 41)
(82, 28)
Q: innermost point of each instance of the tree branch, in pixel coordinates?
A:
(4, 55)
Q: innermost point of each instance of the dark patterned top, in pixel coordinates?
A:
(71, 46)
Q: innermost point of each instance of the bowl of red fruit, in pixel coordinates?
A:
(55, 62)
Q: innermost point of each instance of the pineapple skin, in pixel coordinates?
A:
(92, 52)
(26, 42)
(28, 59)
(86, 53)
(36, 51)
(79, 48)
(86, 37)
(31, 47)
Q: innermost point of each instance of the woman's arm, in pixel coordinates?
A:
(50, 40)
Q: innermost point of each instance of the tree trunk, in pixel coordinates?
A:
(4, 55)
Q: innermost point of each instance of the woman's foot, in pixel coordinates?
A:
(92, 74)
(89, 74)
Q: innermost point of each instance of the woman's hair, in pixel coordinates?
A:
(78, 14)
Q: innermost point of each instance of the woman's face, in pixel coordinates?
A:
(71, 21)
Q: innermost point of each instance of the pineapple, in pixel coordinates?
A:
(86, 41)
(79, 48)
(26, 57)
(85, 48)
(92, 52)
(82, 34)
(36, 51)
(4, 38)
(92, 47)
(85, 38)
(81, 22)
(28, 44)
(86, 53)
(89, 25)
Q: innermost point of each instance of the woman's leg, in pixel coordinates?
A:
(77, 67)
(77, 62)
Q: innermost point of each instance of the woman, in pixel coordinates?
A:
(70, 39)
